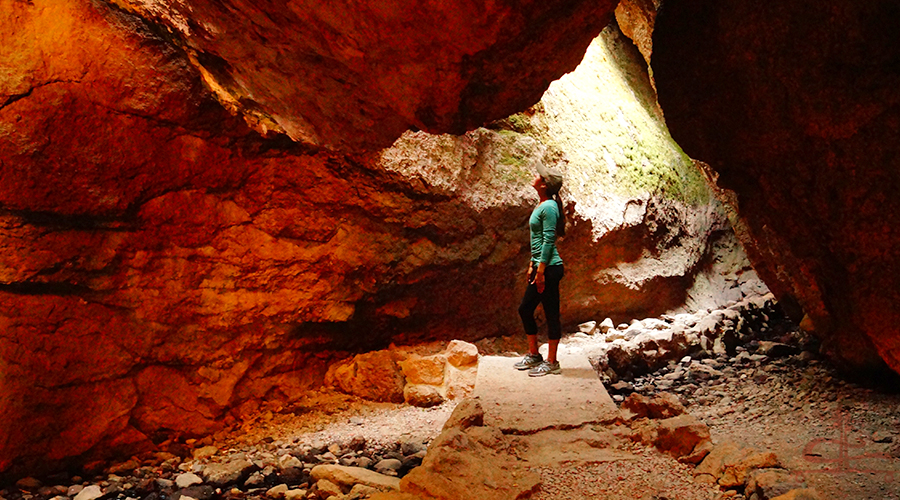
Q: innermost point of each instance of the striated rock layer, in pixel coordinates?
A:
(166, 269)
(797, 106)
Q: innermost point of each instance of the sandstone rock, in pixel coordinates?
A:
(326, 489)
(771, 483)
(374, 375)
(231, 472)
(588, 328)
(461, 354)
(187, 479)
(204, 452)
(423, 396)
(295, 494)
(813, 263)
(460, 382)
(700, 451)
(28, 483)
(679, 436)
(91, 492)
(427, 370)
(468, 413)
(606, 325)
(458, 466)
(736, 474)
(349, 476)
(662, 405)
(277, 491)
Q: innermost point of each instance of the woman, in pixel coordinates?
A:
(545, 270)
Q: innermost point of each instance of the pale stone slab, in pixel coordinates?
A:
(517, 403)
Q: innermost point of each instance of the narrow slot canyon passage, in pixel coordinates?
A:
(279, 250)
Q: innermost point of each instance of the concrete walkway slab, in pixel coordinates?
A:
(519, 404)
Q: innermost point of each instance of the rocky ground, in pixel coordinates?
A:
(767, 390)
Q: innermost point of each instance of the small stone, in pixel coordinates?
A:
(205, 452)
(298, 494)
(187, 479)
(622, 326)
(411, 447)
(74, 490)
(606, 325)
(388, 464)
(288, 461)
(277, 491)
(165, 484)
(588, 327)
(364, 462)
(686, 360)
(28, 483)
(91, 492)
(882, 437)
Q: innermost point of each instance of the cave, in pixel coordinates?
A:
(210, 211)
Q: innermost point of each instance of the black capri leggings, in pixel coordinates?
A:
(550, 300)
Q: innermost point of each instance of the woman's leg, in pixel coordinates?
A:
(526, 311)
(550, 300)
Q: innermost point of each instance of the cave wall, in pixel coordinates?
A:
(171, 261)
(796, 106)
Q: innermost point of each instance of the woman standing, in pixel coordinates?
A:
(545, 270)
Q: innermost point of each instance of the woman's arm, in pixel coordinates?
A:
(548, 237)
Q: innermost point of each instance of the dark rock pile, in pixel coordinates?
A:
(271, 469)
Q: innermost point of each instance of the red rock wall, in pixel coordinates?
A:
(354, 75)
(162, 264)
(165, 267)
(796, 105)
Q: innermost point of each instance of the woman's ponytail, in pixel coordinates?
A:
(561, 221)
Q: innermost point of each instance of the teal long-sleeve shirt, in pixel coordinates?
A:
(543, 233)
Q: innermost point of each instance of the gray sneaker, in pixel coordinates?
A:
(529, 361)
(545, 368)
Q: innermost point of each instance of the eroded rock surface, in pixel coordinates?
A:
(800, 119)
(355, 75)
(167, 268)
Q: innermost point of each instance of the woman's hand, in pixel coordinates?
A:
(539, 280)
(530, 270)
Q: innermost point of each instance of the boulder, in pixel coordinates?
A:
(465, 464)
(461, 354)
(374, 375)
(349, 476)
(423, 396)
(468, 413)
(424, 369)
(661, 405)
(679, 436)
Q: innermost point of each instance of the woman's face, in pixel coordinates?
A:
(539, 185)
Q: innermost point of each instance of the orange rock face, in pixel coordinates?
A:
(354, 75)
(163, 264)
(801, 119)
